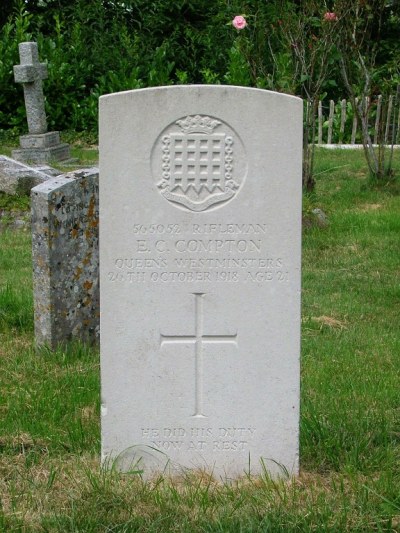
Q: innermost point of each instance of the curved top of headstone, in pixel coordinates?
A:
(198, 136)
(201, 88)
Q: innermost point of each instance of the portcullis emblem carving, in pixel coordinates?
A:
(200, 161)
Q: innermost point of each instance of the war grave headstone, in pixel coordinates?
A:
(200, 208)
(65, 249)
(39, 146)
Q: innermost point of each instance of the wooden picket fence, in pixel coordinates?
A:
(335, 121)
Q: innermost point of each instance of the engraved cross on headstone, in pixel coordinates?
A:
(31, 73)
(198, 339)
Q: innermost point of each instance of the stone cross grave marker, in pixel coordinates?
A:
(200, 208)
(39, 146)
(31, 73)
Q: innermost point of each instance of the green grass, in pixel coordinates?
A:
(16, 300)
(14, 202)
(50, 478)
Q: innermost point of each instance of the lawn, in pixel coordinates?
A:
(51, 478)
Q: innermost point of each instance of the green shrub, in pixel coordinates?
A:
(97, 47)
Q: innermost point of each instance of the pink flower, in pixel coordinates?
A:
(239, 22)
(330, 17)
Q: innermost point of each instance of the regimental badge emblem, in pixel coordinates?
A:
(198, 163)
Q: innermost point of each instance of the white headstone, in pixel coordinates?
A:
(200, 209)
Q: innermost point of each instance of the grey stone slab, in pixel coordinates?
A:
(200, 206)
(50, 171)
(44, 140)
(65, 258)
(59, 152)
(17, 178)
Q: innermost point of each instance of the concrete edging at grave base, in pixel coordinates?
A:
(19, 178)
(42, 148)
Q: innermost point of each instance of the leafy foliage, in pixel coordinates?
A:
(102, 46)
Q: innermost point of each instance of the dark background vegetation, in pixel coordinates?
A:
(100, 46)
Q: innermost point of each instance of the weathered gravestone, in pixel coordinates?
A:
(65, 244)
(200, 208)
(39, 145)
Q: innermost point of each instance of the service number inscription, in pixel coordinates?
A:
(199, 253)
